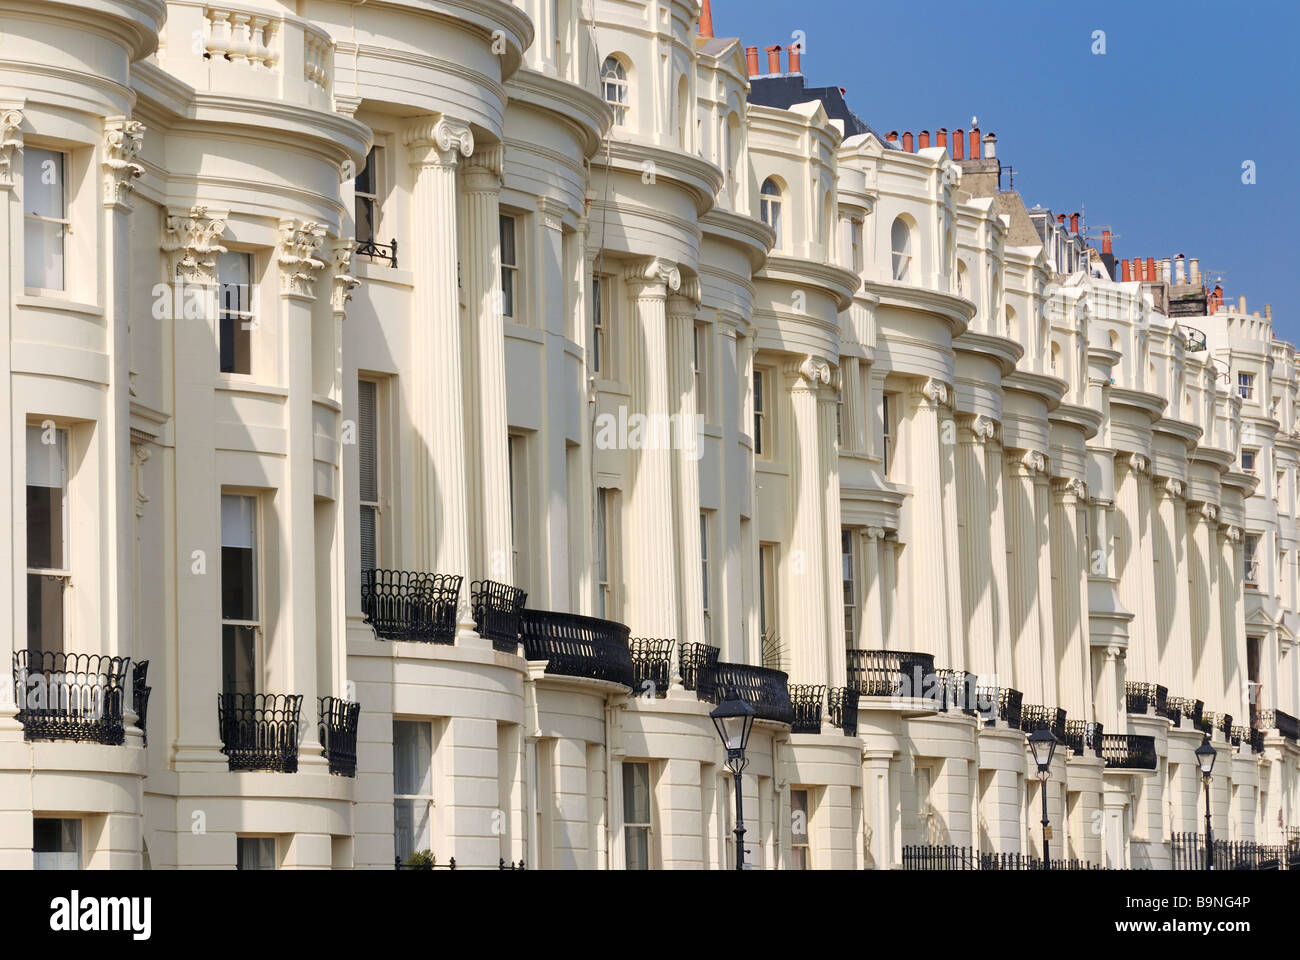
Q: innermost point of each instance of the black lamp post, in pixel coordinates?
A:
(1043, 745)
(1205, 757)
(734, 718)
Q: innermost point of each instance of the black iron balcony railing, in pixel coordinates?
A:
(1238, 735)
(1188, 853)
(496, 608)
(1283, 723)
(843, 703)
(1193, 709)
(1035, 717)
(377, 251)
(941, 857)
(70, 696)
(1006, 701)
(764, 689)
(578, 646)
(1128, 751)
(1083, 736)
(140, 691)
(1256, 740)
(1144, 697)
(807, 700)
(409, 605)
(1223, 723)
(338, 733)
(891, 673)
(698, 663)
(652, 666)
(259, 731)
(960, 690)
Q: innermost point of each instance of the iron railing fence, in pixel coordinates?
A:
(945, 857)
(652, 666)
(843, 703)
(808, 700)
(1145, 697)
(891, 673)
(1084, 736)
(410, 605)
(496, 608)
(1128, 751)
(578, 646)
(140, 691)
(338, 733)
(698, 663)
(70, 696)
(259, 731)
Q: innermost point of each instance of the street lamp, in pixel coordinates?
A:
(1205, 757)
(1043, 745)
(734, 718)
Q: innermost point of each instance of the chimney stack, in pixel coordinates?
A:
(774, 59)
(795, 53)
(751, 59)
(974, 143)
(924, 137)
(1105, 242)
(892, 136)
(706, 20)
(1125, 272)
(959, 144)
(1180, 270)
(1268, 312)
(1166, 271)
(941, 137)
(1241, 305)
(907, 141)
(1060, 220)
(1194, 271)
(990, 145)
(1074, 223)
(1151, 269)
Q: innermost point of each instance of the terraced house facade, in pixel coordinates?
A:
(425, 411)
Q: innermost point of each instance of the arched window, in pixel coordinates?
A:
(1012, 330)
(614, 88)
(828, 222)
(963, 279)
(1056, 358)
(731, 149)
(683, 112)
(769, 207)
(900, 242)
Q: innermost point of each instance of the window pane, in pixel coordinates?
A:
(43, 246)
(638, 847)
(365, 215)
(799, 815)
(368, 560)
(255, 853)
(43, 190)
(238, 589)
(234, 275)
(238, 659)
(410, 827)
(412, 757)
(367, 440)
(45, 612)
(45, 528)
(56, 844)
(636, 793)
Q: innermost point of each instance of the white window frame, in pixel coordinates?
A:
(762, 414)
(372, 198)
(257, 586)
(64, 221)
(1246, 385)
(245, 319)
(1250, 559)
(849, 585)
(801, 842)
(706, 532)
(901, 258)
(646, 826)
(376, 504)
(261, 840)
(510, 268)
(615, 89)
(602, 303)
(700, 342)
(427, 776)
(61, 859)
(887, 431)
(770, 207)
(1247, 452)
(63, 443)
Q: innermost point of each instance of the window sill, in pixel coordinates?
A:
(239, 383)
(55, 300)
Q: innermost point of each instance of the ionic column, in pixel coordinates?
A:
(298, 253)
(853, 426)
(1109, 702)
(871, 635)
(650, 557)
(1171, 585)
(1071, 662)
(927, 569)
(977, 562)
(488, 463)
(955, 652)
(999, 566)
(1231, 583)
(805, 571)
(1128, 563)
(1147, 618)
(433, 392)
(1023, 576)
(686, 454)
(1202, 582)
(828, 570)
(1045, 600)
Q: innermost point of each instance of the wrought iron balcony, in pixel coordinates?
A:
(1238, 735)
(1143, 697)
(891, 673)
(497, 608)
(1083, 736)
(1178, 707)
(140, 691)
(377, 251)
(807, 700)
(699, 663)
(338, 734)
(1128, 751)
(1256, 740)
(578, 646)
(1283, 723)
(764, 689)
(1005, 700)
(652, 666)
(1035, 717)
(941, 857)
(70, 696)
(843, 703)
(960, 690)
(259, 731)
(1223, 723)
(409, 605)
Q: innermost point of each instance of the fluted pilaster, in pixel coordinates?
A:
(686, 454)
(1128, 563)
(1023, 575)
(1000, 566)
(927, 569)
(977, 561)
(1069, 611)
(829, 570)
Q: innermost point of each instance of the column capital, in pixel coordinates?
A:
(1172, 486)
(485, 167)
(875, 533)
(192, 238)
(295, 250)
(807, 375)
(977, 429)
(1208, 511)
(653, 277)
(1070, 488)
(440, 138)
(1030, 463)
(11, 140)
(1230, 533)
(932, 391)
(1136, 462)
(552, 212)
(123, 141)
(344, 282)
(685, 301)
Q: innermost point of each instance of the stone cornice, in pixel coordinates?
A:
(700, 179)
(957, 311)
(1188, 433)
(1087, 418)
(1153, 405)
(751, 235)
(585, 112)
(840, 284)
(1006, 352)
(1049, 389)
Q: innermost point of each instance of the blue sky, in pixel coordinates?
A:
(1150, 136)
